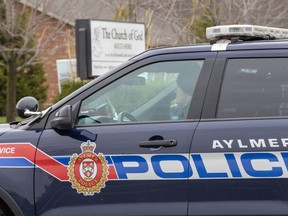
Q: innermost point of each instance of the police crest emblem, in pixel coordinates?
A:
(88, 172)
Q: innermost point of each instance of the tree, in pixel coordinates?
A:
(225, 12)
(31, 81)
(3, 81)
(183, 22)
(256, 12)
(68, 87)
(17, 48)
(125, 12)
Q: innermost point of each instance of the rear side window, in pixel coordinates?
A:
(254, 88)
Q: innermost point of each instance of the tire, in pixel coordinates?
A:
(5, 210)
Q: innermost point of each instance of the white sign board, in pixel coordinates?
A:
(113, 43)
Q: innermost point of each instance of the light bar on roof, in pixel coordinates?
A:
(249, 31)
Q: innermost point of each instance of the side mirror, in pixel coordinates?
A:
(63, 119)
(27, 107)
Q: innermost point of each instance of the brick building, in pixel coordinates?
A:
(62, 46)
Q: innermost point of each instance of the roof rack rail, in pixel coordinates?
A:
(245, 32)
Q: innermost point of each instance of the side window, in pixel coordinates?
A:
(156, 92)
(254, 88)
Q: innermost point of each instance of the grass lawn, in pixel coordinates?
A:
(3, 119)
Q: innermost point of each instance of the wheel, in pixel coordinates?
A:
(125, 115)
(5, 210)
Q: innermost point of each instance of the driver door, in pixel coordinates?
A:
(125, 155)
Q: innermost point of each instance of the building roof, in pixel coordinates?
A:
(70, 10)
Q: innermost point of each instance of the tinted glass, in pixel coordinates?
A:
(160, 91)
(254, 88)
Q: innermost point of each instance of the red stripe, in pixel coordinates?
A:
(44, 161)
(112, 173)
(51, 166)
(26, 150)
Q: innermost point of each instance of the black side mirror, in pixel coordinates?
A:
(63, 119)
(27, 107)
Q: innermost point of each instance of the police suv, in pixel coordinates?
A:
(191, 130)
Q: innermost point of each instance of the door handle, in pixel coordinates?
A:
(158, 143)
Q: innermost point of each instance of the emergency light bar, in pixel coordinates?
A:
(245, 31)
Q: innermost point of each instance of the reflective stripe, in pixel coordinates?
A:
(218, 165)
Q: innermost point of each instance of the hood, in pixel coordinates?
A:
(4, 128)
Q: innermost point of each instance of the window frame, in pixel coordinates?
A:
(113, 87)
(198, 98)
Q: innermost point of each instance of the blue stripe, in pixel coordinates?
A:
(15, 162)
(109, 160)
(63, 159)
(22, 162)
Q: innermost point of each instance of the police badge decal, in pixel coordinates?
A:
(88, 172)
